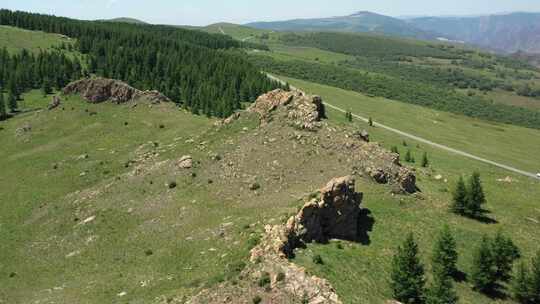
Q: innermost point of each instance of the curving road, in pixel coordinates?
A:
(425, 141)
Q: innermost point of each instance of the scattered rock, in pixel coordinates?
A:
(186, 162)
(26, 128)
(362, 135)
(507, 180)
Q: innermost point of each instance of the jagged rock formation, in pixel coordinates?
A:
(303, 111)
(96, 90)
(333, 215)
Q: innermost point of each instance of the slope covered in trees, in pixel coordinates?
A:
(199, 70)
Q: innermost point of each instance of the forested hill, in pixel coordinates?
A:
(202, 71)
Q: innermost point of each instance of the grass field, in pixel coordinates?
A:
(15, 39)
(360, 273)
(236, 31)
(515, 146)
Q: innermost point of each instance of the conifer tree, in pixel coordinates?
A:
(370, 122)
(12, 102)
(459, 197)
(407, 274)
(441, 290)
(521, 284)
(504, 253)
(445, 254)
(476, 197)
(46, 87)
(408, 156)
(3, 112)
(425, 160)
(482, 274)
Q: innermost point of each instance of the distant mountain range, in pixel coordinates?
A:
(507, 33)
(358, 22)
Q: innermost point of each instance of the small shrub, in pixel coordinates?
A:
(172, 185)
(280, 277)
(317, 259)
(162, 126)
(256, 300)
(149, 252)
(264, 280)
(339, 246)
(253, 241)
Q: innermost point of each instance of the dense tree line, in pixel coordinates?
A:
(492, 264)
(445, 77)
(202, 71)
(369, 45)
(409, 91)
(24, 71)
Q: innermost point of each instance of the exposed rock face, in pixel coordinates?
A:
(303, 111)
(96, 90)
(333, 215)
(55, 103)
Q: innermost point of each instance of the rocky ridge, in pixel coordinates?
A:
(97, 90)
(333, 215)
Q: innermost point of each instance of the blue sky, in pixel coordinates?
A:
(203, 12)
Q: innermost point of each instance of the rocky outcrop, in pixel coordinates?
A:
(303, 111)
(333, 215)
(96, 90)
(185, 162)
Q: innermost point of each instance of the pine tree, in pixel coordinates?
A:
(534, 286)
(3, 112)
(46, 87)
(445, 255)
(425, 161)
(482, 273)
(12, 102)
(408, 156)
(407, 274)
(504, 253)
(521, 284)
(394, 149)
(459, 197)
(476, 197)
(441, 290)
(370, 122)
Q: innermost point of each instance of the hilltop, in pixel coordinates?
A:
(125, 20)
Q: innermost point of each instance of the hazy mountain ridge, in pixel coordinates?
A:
(504, 32)
(358, 22)
(508, 33)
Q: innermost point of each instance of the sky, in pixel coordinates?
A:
(204, 12)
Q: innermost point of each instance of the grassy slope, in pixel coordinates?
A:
(15, 39)
(234, 30)
(508, 144)
(360, 272)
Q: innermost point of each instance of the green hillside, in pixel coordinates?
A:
(15, 39)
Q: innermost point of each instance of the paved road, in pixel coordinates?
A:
(425, 141)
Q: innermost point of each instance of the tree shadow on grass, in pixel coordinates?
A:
(482, 217)
(365, 225)
(496, 292)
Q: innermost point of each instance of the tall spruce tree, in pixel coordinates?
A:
(504, 253)
(476, 197)
(482, 273)
(521, 284)
(445, 255)
(459, 197)
(3, 112)
(441, 290)
(407, 274)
